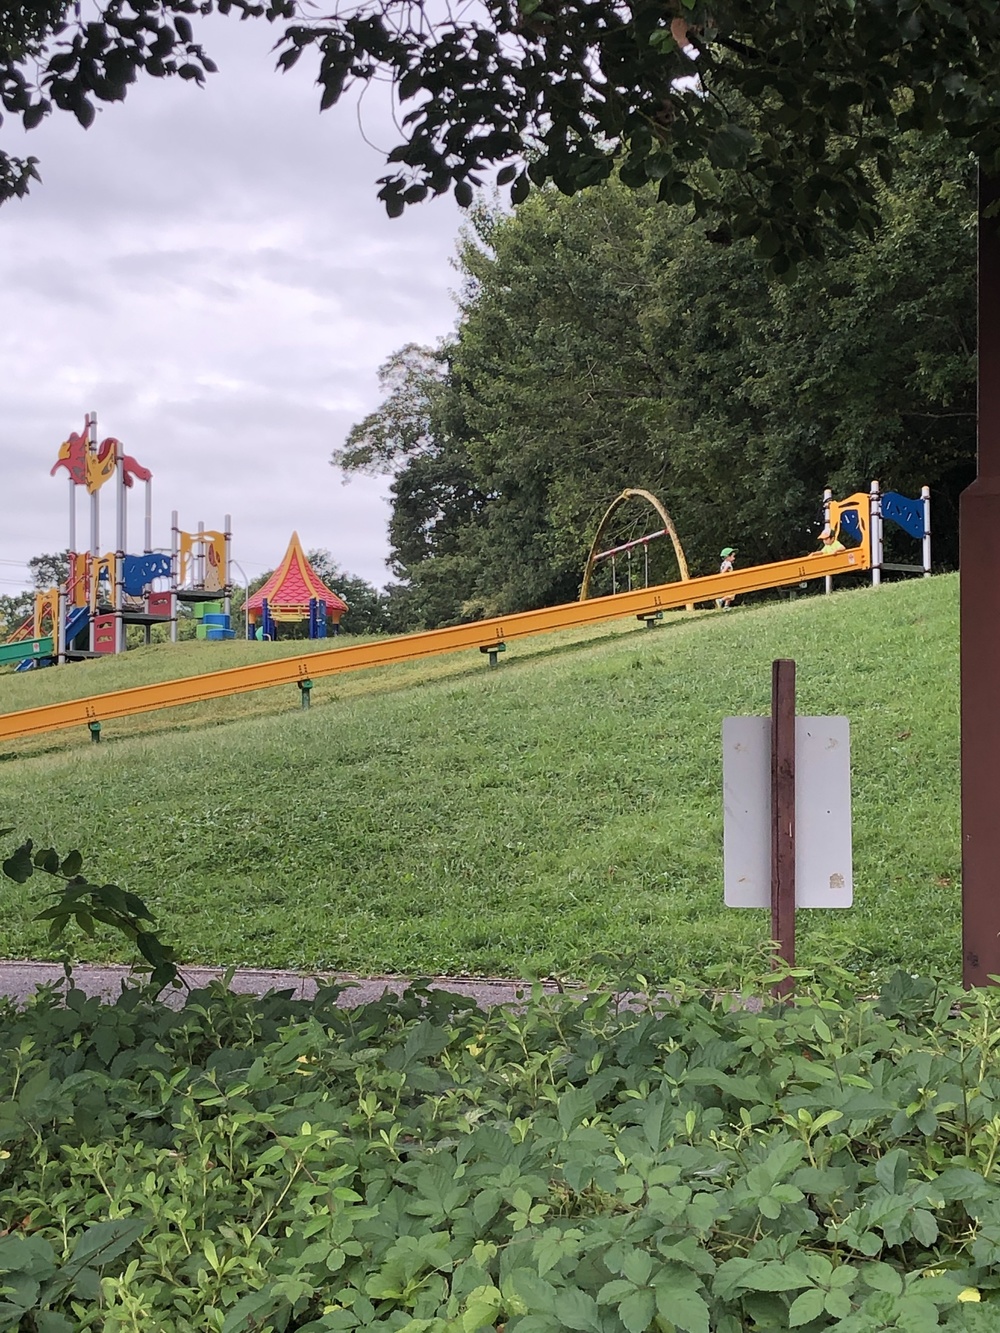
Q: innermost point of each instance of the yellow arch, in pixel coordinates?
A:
(631, 493)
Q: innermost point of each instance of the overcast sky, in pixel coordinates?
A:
(210, 271)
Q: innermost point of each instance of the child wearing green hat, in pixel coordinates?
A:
(728, 555)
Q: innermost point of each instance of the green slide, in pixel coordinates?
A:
(25, 650)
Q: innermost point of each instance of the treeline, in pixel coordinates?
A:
(607, 341)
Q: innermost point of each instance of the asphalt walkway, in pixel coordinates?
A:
(19, 980)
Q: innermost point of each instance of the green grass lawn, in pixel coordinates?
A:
(443, 817)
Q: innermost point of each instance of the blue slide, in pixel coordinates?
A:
(76, 624)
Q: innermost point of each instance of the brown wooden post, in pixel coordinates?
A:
(980, 631)
(783, 814)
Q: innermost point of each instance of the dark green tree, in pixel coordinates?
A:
(14, 610)
(418, 434)
(366, 613)
(49, 569)
(606, 342)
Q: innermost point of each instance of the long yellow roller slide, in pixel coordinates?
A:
(484, 634)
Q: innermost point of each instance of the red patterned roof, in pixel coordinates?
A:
(293, 585)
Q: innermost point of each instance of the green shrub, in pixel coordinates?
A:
(691, 1163)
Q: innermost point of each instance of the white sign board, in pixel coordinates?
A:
(823, 870)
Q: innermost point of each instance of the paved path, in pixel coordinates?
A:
(19, 980)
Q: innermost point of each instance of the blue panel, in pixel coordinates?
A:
(317, 618)
(906, 514)
(849, 525)
(138, 572)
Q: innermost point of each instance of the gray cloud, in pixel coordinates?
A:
(210, 270)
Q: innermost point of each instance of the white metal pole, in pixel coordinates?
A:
(149, 517)
(246, 599)
(200, 558)
(61, 626)
(121, 541)
(175, 566)
(95, 524)
(72, 516)
(925, 495)
(226, 549)
(875, 522)
(827, 497)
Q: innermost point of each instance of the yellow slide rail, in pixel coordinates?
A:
(483, 634)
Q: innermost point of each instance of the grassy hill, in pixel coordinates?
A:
(442, 817)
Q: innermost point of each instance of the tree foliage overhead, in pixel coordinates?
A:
(798, 98)
(605, 342)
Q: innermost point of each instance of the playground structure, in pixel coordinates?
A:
(104, 593)
(293, 594)
(912, 516)
(843, 517)
(627, 548)
(489, 636)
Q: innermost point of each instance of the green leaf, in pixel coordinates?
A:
(19, 866)
(882, 1277)
(481, 1308)
(687, 1310)
(652, 1122)
(838, 1304)
(538, 1296)
(637, 1267)
(72, 863)
(254, 1309)
(807, 1307)
(774, 1277)
(575, 1105)
(923, 1226)
(50, 1321)
(104, 1241)
(892, 1170)
(578, 1310)
(615, 1291)
(47, 859)
(636, 1311)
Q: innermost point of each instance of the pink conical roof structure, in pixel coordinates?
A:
(292, 587)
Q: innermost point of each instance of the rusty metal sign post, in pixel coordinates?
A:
(787, 800)
(783, 815)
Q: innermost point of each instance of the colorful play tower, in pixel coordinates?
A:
(106, 592)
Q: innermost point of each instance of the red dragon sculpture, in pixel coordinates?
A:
(93, 469)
